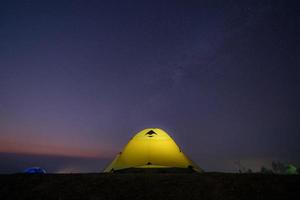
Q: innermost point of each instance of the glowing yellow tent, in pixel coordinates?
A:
(151, 148)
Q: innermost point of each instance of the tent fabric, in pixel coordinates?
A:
(34, 170)
(291, 169)
(151, 148)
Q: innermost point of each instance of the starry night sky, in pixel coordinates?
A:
(79, 78)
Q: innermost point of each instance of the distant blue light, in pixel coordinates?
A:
(34, 170)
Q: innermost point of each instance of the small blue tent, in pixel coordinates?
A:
(34, 170)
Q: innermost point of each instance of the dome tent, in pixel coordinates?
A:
(34, 170)
(151, 148)
(291, 169)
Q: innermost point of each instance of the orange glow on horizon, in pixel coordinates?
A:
(11, 146)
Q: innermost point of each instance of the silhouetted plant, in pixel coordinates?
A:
(265, 170)
(279, 167)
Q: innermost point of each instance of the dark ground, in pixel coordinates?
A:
(149, 186)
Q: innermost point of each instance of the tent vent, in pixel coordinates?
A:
(150, 133)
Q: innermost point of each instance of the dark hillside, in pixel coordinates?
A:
(149, 186)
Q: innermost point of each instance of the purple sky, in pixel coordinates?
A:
(80, 78)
